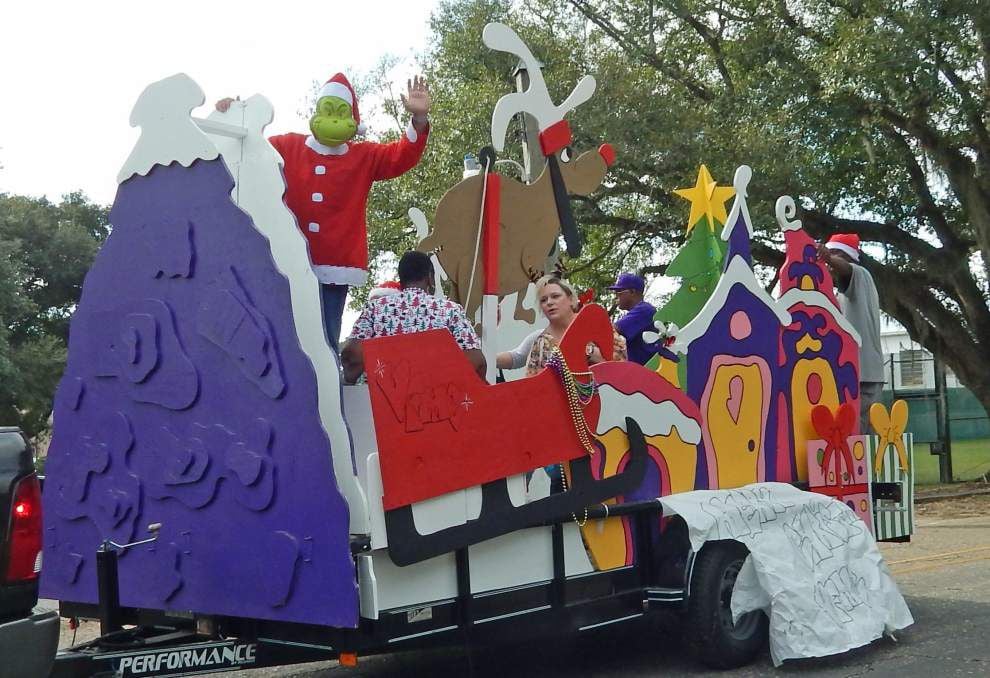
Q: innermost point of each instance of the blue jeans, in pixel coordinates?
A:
(334, 298)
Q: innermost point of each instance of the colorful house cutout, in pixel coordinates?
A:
(819, 348)
(733, 369)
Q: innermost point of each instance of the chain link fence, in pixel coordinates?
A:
(951, 429)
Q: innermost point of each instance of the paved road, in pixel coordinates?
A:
(944, 574)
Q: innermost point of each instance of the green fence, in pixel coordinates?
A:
(967, 419)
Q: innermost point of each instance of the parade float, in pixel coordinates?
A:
(219, 499)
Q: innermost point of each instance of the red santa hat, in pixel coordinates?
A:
(845, 242)
(339, 86)
(384, 290)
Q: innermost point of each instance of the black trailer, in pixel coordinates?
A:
(137, 642)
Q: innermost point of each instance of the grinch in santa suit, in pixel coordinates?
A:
(328, 177)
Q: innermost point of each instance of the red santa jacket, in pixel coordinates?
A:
(327, 189)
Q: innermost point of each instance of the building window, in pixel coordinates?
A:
(912, 362)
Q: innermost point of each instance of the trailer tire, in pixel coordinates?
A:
(711, 636)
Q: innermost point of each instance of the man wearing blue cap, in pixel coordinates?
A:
(638, 318)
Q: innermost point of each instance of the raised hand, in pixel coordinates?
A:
(417, 98)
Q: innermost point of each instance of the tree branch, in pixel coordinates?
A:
(605, 251)
(647, 58)
(928, 208)
(713, 42)
(626, 224)
(785, 15)
(931, 324)
(983, 30)
(972, 111)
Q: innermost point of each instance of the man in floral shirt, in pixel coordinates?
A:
(413, 309)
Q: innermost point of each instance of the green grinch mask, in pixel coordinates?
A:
(332, 123)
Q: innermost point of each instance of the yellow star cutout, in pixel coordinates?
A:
(707, 200)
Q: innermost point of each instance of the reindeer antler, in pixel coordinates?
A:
(559, 271)
(535, 99)
(555, 133)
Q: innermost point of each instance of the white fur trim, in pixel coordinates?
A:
(361, 128)
(335, 89)
(411, 133)
(842, 247)
(323, 149)
(340, 275)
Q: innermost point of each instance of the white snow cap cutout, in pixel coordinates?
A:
(658, 419)
(168, 133)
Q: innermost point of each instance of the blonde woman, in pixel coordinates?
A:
(559, 303)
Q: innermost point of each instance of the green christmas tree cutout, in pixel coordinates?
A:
(699, 265)
(699, 261)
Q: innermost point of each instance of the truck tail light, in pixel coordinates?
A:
(24, 561)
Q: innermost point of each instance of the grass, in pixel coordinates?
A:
(970, 461)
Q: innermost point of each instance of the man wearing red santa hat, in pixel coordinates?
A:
(328, 178)
(860, 304)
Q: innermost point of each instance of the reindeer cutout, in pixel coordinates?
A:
(528, 228)
(530, 217)
(555, 132)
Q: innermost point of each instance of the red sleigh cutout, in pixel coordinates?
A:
(440, 428)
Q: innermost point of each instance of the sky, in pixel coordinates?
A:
(70, 72)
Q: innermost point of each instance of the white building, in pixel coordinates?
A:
(907, 361)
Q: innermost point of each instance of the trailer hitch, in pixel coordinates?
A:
(107, 581)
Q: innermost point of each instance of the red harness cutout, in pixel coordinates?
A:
(555, 137)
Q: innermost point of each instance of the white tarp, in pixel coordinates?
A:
(813, 567)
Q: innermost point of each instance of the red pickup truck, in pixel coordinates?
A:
(28, 639)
